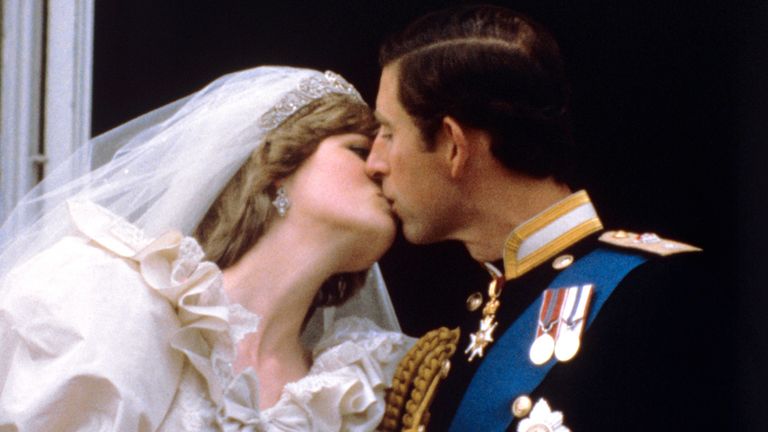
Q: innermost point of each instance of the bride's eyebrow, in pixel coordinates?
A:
(359, 142)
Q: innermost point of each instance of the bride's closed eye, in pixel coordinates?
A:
(360, 150)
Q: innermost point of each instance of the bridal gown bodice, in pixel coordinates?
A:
(111, 330)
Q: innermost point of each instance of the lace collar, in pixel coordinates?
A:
(353, 363)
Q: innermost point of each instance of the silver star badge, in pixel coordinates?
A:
(543, 419)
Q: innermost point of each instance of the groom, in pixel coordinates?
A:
(581, 328)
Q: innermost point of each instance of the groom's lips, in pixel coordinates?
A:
(392, 207)
(390, 201)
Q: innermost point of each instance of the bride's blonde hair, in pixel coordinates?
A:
(242, 212)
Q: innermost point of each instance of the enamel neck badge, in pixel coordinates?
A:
(483, 337)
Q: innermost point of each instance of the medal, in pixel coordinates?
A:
(483, 337)
(542, 418)
(573, 317)
(542, 349)
(549, 316)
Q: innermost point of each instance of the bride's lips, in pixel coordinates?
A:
(390, 204)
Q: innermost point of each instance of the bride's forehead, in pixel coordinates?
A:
(346, 139)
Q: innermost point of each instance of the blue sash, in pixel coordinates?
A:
(506, 372)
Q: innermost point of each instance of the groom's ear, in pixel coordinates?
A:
(461, 143)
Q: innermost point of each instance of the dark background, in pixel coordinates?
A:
(669, 102)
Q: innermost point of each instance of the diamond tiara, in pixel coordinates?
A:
(309, 89)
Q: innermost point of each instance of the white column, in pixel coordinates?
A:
(20, 98)
(69, 60)
(46, 113)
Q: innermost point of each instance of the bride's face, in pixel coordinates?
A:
(331, 189)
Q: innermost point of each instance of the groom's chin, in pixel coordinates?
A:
(418, 234)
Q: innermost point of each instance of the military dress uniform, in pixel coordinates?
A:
(554, 347)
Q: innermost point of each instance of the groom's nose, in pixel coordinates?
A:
(376, 166)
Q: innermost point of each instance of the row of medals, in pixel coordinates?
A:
(560, 323)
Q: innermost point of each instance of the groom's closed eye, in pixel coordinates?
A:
(384, 133)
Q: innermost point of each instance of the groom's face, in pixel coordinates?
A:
(416, 181)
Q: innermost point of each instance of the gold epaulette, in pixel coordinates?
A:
(416, 380)
(648, 242)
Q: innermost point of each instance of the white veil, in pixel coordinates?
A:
(163, 170)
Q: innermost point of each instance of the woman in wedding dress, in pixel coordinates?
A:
(212, 274)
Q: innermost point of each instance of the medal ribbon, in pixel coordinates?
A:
(553, 299)
(577, 308)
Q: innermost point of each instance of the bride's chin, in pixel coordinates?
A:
(387, 236)
(380, 228)
(370, 248)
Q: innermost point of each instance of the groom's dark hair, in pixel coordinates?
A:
(493, 69)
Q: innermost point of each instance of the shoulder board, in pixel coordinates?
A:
(648, 242)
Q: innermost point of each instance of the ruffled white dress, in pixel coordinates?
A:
(111, 331)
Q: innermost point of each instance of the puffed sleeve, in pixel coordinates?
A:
(84, 345)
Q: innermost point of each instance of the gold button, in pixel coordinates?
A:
(562, 262)
(620, 234)
(521, 406)
(445, 368)
(474, 301)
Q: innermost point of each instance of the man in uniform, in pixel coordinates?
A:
(581, 328)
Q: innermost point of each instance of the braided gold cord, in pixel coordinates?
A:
(429, 375)
(402, 381)
(416, 380)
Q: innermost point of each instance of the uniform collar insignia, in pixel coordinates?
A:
(548, 233)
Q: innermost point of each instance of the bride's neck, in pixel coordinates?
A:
(277, 279)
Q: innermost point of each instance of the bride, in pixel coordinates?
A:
(211, 274)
